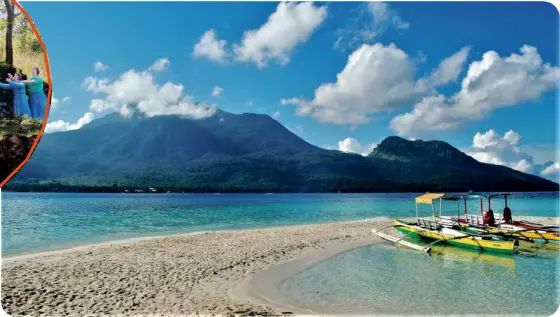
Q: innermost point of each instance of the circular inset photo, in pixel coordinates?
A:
(25, 88)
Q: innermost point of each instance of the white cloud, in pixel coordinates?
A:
(372, 20)
(160, 65)
(291, 24)
(449, 69)
(126, 111)
(552, 169)
(376, 78)
(60, 126)
(136, 91)
(351, 145)
(210, 47)
(491, 147)
(523, 166)
(101, 105)
(383, 14)
(491, 83)
(55, 102)
(100, 67)
(217, 91)
(276, 115)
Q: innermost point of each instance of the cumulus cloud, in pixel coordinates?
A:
(217, 91)
(136, 91)
(100, 67)
(288, 26)
(60, 126)
(291, 24)
(491, 147)
(210, 47)
(376, 78)
(351, 145)
(160, 65)
(551, 170)
(449, 69)
(490, 83)
(372, 20)
(101, 105)
(55, 102)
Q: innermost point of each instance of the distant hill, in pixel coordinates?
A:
(440, 163)
(247, 153)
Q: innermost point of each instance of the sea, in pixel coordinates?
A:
(34, 222)
(379, 278)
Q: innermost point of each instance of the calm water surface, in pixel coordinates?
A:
(34, 222)
(388, 280)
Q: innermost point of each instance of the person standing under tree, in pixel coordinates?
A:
(21, 106)
(37, 97)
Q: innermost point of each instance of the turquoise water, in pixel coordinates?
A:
(384, 279)
(34, 222)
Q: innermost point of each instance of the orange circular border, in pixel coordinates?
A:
(47, 107)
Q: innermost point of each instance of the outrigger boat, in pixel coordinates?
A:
(433, 230)
(508, 228)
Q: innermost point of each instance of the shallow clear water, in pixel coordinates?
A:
(34, 222)
(389, 280)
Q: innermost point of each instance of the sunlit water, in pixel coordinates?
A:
(34, 222)
(384, 279)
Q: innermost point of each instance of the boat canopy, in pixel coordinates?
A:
(500, 194)
(473, 196)
(429, 198)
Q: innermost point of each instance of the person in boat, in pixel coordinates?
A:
(21, 105)
(507, 215)
(488, 218)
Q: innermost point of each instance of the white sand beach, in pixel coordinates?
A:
(206, 273)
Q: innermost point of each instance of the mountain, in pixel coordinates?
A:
(247, 153)
(439, 162)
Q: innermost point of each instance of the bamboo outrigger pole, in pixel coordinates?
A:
(400, 241)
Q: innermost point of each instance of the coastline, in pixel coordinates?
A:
(260, 288)
(204, 273)
(180, 274)
(80, 247)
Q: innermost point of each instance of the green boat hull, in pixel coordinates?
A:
(459, 245)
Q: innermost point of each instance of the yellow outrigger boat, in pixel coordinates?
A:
(521, 230)
(432, 230)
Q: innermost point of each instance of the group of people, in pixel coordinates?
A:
(489, 220)
(34, 107)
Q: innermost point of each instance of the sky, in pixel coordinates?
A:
(480, 76)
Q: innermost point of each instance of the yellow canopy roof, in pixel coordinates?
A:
(428, 198)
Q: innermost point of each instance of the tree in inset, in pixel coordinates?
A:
(11, 12)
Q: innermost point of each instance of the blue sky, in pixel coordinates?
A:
(341, 75)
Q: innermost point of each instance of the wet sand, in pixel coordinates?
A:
(205, 273)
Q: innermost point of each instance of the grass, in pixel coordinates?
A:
(20, 126)
(24, 60)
